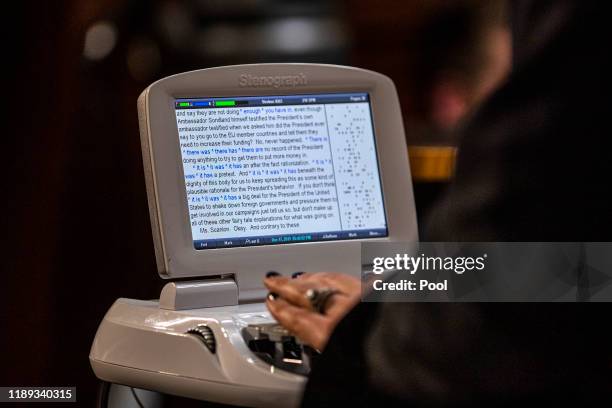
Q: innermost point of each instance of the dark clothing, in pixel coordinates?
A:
(534, 163)
(533, 166)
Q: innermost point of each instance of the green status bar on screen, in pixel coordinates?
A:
(225, 103)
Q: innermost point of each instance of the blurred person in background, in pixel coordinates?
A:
(459, 53)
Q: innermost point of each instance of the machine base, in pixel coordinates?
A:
(140, 345)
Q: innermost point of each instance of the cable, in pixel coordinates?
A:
(103, 391)
(140, 404)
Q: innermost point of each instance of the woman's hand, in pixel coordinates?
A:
(292, 309)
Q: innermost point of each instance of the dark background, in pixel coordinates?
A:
(75, 226)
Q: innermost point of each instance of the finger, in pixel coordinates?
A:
(311, 328)
(292, 290)
(339, 281)
(337, 305)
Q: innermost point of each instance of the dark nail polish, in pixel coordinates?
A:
(272, 274)
(272, 296)
(296, 274)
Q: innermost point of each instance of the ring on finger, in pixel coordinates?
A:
(318, 298)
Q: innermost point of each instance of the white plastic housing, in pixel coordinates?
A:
(140, 345)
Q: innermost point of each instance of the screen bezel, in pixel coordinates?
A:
(176, 255)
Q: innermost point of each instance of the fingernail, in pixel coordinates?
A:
(272, 296)
(272, 274)
(296, 274)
